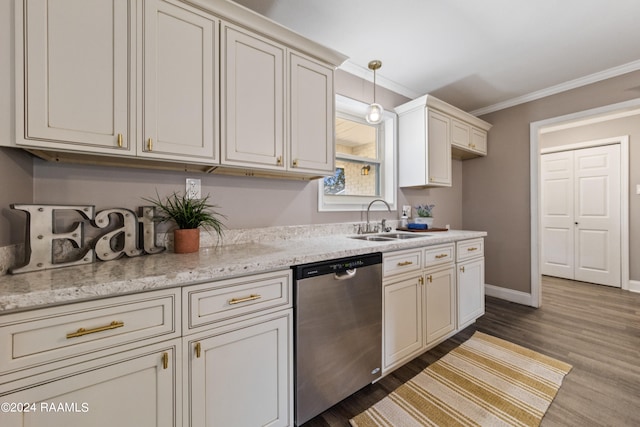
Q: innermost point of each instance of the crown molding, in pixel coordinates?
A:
(563, 87)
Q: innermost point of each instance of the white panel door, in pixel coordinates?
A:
(597, 215)
(557, 214)
(470, 280)
(581, 218)
(440, 303)
(77, 75)
(180, 83)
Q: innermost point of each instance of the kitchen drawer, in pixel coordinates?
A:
(467, 249)
(50, 334)
(226, 300)
(437, 255)
(400, 262)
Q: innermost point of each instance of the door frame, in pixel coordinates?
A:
(584, 117)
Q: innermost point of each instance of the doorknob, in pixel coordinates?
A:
(575, 223)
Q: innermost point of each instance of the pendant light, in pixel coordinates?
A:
(374, 111)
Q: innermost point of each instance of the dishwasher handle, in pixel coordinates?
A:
(346, 274)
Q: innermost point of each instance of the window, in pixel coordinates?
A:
(365, 160)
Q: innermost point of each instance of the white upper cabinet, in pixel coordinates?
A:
(199, 85)
(252, 100)
(75, 79)
(312, 119)
(430, 133)
(180, 83)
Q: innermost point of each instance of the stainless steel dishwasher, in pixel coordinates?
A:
(338, 331)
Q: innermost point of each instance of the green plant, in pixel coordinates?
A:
(187, 213)
(425, 211)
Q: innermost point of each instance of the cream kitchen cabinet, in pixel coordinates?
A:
(180, 83)
(74, 90)
(262, 128)
(238, 348)
(467, 141)
(159, 83)
(430, 133)
(470, 278)
(80, 357)
(424, 148)
(419, 301)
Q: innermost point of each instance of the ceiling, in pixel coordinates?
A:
(479, 55)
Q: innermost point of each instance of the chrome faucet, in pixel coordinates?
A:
(368, 227)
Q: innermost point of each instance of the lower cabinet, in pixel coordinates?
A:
(403, 325)
(241, 375)
(440, 303)
(471, 289)
(137, 388)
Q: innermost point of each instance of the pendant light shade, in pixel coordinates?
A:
(374, 111)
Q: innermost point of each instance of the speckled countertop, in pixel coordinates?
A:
(129, 275)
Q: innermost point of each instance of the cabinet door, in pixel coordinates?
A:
(252, 101)
(136, 388)
(479, 141)
(76, 75)
(242, 378)
(403, 321)
(460, 134)
(440, 303)
(439, 149)
(180, 83)
(470, 291)
(312, 116)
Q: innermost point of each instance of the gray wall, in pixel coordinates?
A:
(495, 194)
(612, 128)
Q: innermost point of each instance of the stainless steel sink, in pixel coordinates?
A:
(386, 237)
(373, 238)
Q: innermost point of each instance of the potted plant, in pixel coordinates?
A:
(189, 215)
(425, 214)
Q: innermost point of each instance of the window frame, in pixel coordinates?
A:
(387, 142)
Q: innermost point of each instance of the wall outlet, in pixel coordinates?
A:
(407, 210)
(193, 190)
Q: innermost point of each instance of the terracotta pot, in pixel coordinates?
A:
(186, 241)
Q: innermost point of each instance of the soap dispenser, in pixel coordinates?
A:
(404, 219)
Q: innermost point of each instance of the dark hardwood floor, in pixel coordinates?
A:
(594, 328)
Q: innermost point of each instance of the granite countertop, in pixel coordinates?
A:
(165, 270)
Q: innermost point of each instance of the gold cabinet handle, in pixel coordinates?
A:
(441, 256)
(430, 278)
(150, 144)
(119, 140)
(462, 268)
(198, 349)
(165, 360)
(279, 160)
(82, 331)
(421, 280)
(472, 249)
(295, 163)
(404, 263)
(251, 297)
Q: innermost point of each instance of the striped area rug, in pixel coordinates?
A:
(486, 381)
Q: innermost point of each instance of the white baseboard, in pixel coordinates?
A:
(511, 295)
(634, 286)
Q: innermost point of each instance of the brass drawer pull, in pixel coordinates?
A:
(82, 331)
(279, 160)
(119, 140)
(441, 256)
(295, 163)
(404, 263)
(472, 249)
(462, 268)
(165, 360)
(430, 278)
(421, 280)
(150, 145)
(251, 297)
(198, 349)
